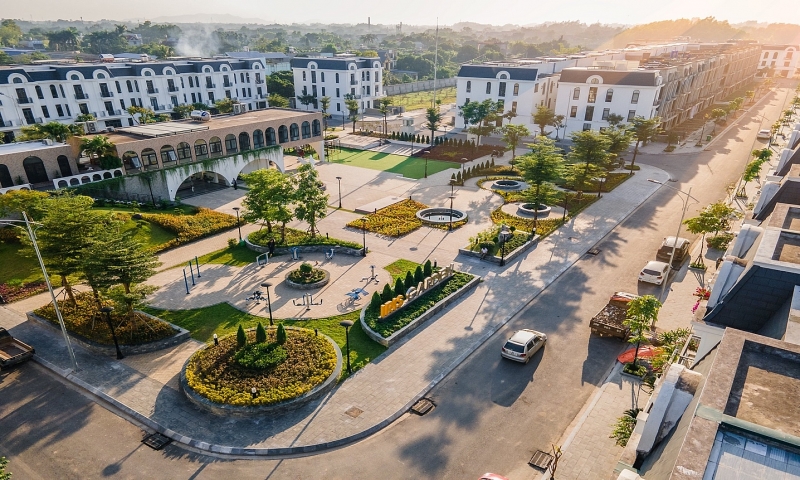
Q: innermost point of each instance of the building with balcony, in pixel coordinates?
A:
(32, 94)
(782, 60)
(339, 78)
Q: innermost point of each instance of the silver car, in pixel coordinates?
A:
(523, 344)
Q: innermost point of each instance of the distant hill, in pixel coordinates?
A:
(701, 30)
(783, 33)
(209, 18)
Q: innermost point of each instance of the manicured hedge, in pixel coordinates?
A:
(296, 238)
(188, 228)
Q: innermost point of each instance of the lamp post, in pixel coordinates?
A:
(504, 233)
(425, 153)
(677, 234)
(347, 324)
(107, 311)
(339, 179)
(451, 212)
(266, 285)
(236, 209)
(364, 236)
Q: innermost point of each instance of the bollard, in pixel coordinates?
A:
(197, 264)
(191, 270)
(216, 339)
(186, 282)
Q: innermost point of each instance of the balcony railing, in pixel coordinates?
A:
(226, 85)
(24, 100)
(262, 96)
(113, 113)
(152, 91)
(211, 85)
(353, 82)
(81, 96)
(106, 94)
(173, 89)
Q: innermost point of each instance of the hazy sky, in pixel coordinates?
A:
(413, 11)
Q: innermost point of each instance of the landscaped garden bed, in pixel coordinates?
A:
(188, 228)
(393, 221)
(296, 238)
(457, 153)
(16, 290)
(279, 368)
(307, 277)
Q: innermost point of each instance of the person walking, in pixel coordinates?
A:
(271, 248)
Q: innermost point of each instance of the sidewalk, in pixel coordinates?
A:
(145, 386)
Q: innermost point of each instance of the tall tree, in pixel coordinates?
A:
(311, 202)
(307, 99)
(269, 196)
(432, 120)
(479, 114)
(615, 119)
(385, 108)
(512, 135)
(10, 33)
(145, 115)
(276, 100)
(590, 156)
(620, 140)
(324, 105)
(544, 117)
(643, 130)
(67, 39)
(641, 317)
(540, 168)
(352, 109)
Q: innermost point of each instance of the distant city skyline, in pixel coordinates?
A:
(414, 12)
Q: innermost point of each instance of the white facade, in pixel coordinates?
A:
(520, 89)
(360, 78)
(782, 59)
(587, 96)
(33, 94)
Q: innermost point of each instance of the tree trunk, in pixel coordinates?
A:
(68, 289)
(636, 354)
(283, 232)
(536, 208)
(128, 302)
(354, 126)
(635, 152)
(269, 226)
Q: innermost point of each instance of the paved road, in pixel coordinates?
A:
(490, 416)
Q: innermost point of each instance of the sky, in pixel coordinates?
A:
(415, 12)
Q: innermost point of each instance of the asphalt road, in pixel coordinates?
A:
(490, 415)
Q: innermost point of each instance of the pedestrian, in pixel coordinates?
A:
(235, 187)
(271, 247)
(719, 260)
(484, 251)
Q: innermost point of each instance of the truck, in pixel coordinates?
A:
(609, 321)
(13, 351)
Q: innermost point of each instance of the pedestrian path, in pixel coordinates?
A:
(383, 390)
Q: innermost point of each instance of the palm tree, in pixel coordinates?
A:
(433, 119)
(385, 103)
(97, 147)
(324, 105)
(369, 38)
(56, 131)
(352, 109)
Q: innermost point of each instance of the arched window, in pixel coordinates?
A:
(244, 141)
(503, 76)
(294, 132)
(306, 130)
(270, 134)
(258, 139)
(184, 151)
(315, 128)
(168, 155)
(594, 81)
(576, 93)
(469, 86)
(200, 149)
(635, 97)
(34, 170)
(516, 89)
(283, 134)
(215, 147)
(488, 88)
(5, 177)
(63, 165)
(129, 85)
(609, 94)
(337, 78)
(149, 158)
(230, 143)
(130, 160)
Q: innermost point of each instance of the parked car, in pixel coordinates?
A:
(522, 345)
(681, 250)
(654, 272)
(765, 134)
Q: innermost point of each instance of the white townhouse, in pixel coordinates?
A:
(588, 95)
(337, 78)
(31, 94)
(781, 58)
(519, 89)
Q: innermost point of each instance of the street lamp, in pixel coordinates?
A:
(347, 324)
(107, 311)
(266, 285)
(451, 212)
(340, 191)
(675, 243)
(236, 209)
(364, 235)
(504, 234)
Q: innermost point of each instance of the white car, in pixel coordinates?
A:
(522, 345)
(765, 134)
(654, 272)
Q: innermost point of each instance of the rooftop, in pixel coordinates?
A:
(19, 147)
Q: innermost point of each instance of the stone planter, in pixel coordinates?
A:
(510, 256)
(308, 286)
(527, 210)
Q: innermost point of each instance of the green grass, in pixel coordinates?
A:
(13, 265)
(399, 268)
(238, 256)
(410, 167)
(419, 100)
(223, 319)
(150, 234)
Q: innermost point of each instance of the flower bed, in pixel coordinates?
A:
(315, 275)
(191, 227)
(455, 153)
(215, 374)
(11, 292)
(544, 226)
(85, 320)
(297, 238)
(396, 321)
(393, 221)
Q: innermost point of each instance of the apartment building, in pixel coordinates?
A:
(31, 94)
(780, 59)
(517, 88)
(339, 77)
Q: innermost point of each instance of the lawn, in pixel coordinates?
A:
(399, 268)
(420, 100)
(410, 167)
(223, 319)
(15, 266)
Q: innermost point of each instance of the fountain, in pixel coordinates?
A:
(507, 185)
(531, 210)
(440, 216)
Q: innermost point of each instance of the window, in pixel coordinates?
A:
(283, 134)
(215, 146)
(194, 99)
(592, 94)
(306, 130)
(501, 91)
(119, 88)
(321, 76)
(315, 128)
(635, 97)
(53, 91)
(503, 76)
(230, 143)
(609, 94)
(191, 82)
(467, 100)
(788, 55)
(368, 90)
(535, 88)
(149, 157)
(573, 111)
(469, 86)
(323, 91)
(314, 90)
(39, 92)
(766, 54)
(514, 107)
(270, 134)
(338, 105)
(516, 89)
(304, 76)
(587, 126)
(576, 94)
(337, 78)
(631, 115)
(184, 151)
(589, 115)
(84, 108)
(488, 88)
(294, 132)
(595, 81)
(129, 85)
(337, 91)
(200, 149)
(244, 141)
(59, 111)
(313, 76)
(45, 112)
(168, 154)
(775, 55)
(606, 111)
(258, 139)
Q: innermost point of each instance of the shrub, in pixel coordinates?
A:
(399, 287)
(191, 227)
(393, 221)
(241, 338)
(376, 302)
(409, 280)
(261, 356)
(306, 268)
(428, 268)
(232, 242)
(418, 275)
(296, 237)
(720, 242)
(261, 334)
(624, 427)
(281, 334)
(387, 293)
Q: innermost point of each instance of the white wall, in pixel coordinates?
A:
(359, 88)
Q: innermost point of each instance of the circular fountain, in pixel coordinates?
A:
(507, 184)
(441, 216)
(531, 210)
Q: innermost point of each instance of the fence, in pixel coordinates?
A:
(420, 86)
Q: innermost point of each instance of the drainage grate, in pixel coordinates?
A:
(354, 412)
(593, 251)
(541, 460)
(422, 406)
(156, 441)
